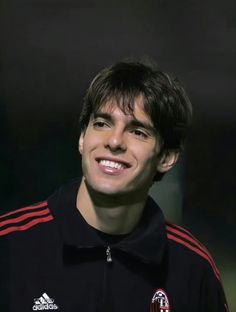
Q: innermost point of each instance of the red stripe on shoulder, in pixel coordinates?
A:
(32, 207)
(175, 229)
(25, 216)
(183, 237)
(183, 230)
(25, 226)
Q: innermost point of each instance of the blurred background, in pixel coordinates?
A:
(51, 49)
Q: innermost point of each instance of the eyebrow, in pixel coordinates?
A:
(134, 122)
(102, 115)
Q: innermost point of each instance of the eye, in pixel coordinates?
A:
(140, 134)
(98, 124)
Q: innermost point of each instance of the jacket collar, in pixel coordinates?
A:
(147, 242)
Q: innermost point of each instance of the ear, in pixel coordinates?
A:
(81, 142)
(168, 160)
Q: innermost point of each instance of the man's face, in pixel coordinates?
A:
(120, 152)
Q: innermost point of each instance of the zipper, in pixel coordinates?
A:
(105, 299)
(108, 254)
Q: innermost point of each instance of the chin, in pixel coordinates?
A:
(106, 189)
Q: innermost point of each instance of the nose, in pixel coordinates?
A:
(116, 140)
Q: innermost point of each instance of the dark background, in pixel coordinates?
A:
(50, 50)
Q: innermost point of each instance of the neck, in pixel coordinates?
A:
(109, 214)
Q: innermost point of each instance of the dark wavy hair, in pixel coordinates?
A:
(165, 100)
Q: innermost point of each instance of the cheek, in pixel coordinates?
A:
(144, 153)
(90, 143)
(146, 161)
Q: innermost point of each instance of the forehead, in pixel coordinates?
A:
(134, 110)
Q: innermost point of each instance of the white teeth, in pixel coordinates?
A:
(111, 164)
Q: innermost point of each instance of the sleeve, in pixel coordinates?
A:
(4, 274)
(212, 294)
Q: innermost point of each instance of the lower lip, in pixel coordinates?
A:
(111, 171)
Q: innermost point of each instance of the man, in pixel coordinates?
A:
(101, 243)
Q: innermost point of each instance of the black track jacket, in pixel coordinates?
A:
(52, 260)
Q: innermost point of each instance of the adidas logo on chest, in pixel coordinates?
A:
(44, 303)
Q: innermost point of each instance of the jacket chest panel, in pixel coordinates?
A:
(94, 285)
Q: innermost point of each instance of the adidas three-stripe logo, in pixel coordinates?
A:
(44, 303)
(24, 218)
(185, 238)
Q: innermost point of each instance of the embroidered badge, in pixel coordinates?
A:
(160, 302)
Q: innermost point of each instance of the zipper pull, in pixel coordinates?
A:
(108, 254)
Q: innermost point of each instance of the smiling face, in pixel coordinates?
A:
(120, 152)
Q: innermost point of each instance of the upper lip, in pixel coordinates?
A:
(117, 160)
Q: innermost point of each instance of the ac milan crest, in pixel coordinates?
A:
(160, 302)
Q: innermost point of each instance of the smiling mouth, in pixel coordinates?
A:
(113, 164)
